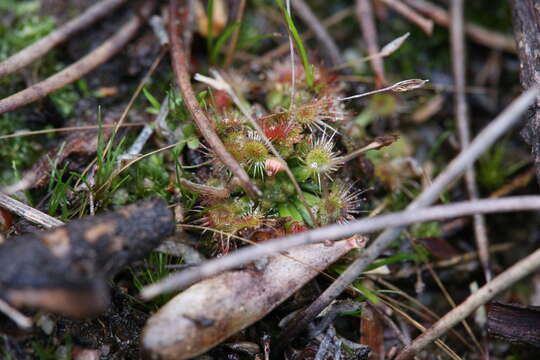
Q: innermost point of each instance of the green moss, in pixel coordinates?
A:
(148, 177)
(429, 229)
(495, 167)
(18, 153)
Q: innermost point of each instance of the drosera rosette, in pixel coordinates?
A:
(255, 154)
(247, 147)
(319, 159)
(291, 155)
(231, 217)
(319, 114)
(341, 203)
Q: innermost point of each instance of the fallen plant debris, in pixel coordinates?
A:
(212, 310)
(65, 270)
(272, 131)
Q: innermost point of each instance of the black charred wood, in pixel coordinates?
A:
(65, 269)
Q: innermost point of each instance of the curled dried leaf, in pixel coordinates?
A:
(408, 85)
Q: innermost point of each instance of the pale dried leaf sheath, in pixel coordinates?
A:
(42, 46)
(28, 212)
(180, 67)
(216, 308)
(80, 68)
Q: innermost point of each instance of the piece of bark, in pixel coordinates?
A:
(214, 309)
(526, 18)
(514, 323)
(65, 270)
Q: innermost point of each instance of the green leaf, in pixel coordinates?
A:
(303, 211)
(368, 294)
(308, 69)
(193, 143)
(151, 99)
(210, 35)
(400, 256)
(221, 41)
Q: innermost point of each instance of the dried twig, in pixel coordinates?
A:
(80, 68)
(457, 38)
(452, 303)
(477, 33)
(366, 18)
(27, 212)
(234, 38)
(332, 51)
(146, 78)
(39, 48)
(334, 232)
(180, 67)
(500, 283)
(467, 156)
(137, 146)
(376, 144)
(401, 86)
(21, 320)
(66, 129)
(425, 24)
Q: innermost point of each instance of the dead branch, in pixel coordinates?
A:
(365, 15)
(487, 292)
(477, 33)
(65, 270)
(80, 68)
(483, 141)
(331, 49)
(180, 67)
(233, 300)
(333, 232)
(425, 24)
(525, 14)
(41, 47)
(28, 212)
(457, 39)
